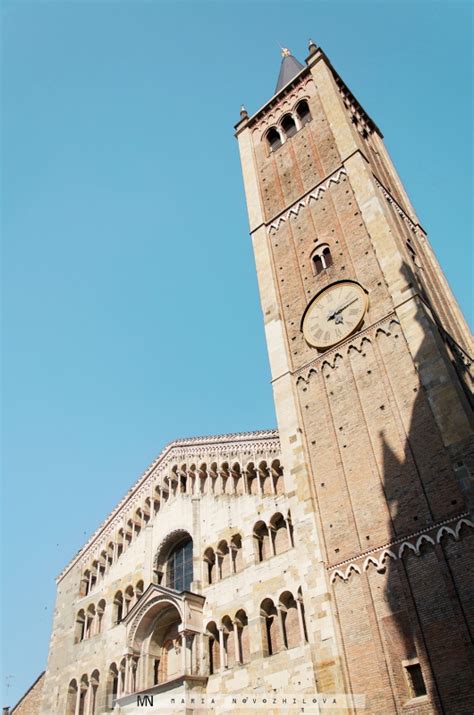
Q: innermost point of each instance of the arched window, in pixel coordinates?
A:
(302, 110)
(102, 565)
(100, 615)
(110, 554)
(290, 620)
(277, 474)
(120, 540)
(265, 480)
(183, 479)
(321, 259)
(317, 264)
(262, 541)
(84, 586)
(93, 578)
(327, 258)
(139, 590)
(179, 573)
(229, 641)
(243, 636)
(129, 599)
(95, 677)
(273, 139)
(71, 698)
(112, 687)
(236, 553)
(237, 479)
(202, 478)
(288, 125)
(271, 629)
(80, 629)
(279, 531)
(252, 484)
(213, 473)
(90, 620)
(223, 559)
(209, 565)
(226, 481)
(84, 688)
(214, 649)
(118, 607)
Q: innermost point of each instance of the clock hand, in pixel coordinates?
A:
(336, 312)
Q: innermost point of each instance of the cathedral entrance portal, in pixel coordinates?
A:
(164, 649)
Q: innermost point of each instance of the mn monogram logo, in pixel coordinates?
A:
(144, 700)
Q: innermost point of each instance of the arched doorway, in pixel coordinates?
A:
(160, 645)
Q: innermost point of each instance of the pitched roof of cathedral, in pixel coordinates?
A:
(289, 68)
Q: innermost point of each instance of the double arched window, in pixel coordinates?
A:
(273, 539)
(321, 259)
(283, 623)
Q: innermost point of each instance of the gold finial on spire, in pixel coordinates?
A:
(285, 52)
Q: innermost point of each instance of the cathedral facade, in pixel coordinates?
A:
(334, 555)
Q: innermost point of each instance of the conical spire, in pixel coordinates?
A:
(290, 67)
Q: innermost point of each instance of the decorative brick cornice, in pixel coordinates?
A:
(302, 202)
(354, 342)
(396, 206)
(395, 549)
(221, 444)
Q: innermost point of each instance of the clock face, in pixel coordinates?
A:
(334, 314)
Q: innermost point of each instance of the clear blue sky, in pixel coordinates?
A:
(131, 313)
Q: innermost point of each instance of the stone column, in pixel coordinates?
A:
(238, 658)
(78, 700)
(271, 535)
(300, 619)
(221, 650)
(127, 674)
(272, 482)
(87, 700)
(282, 627)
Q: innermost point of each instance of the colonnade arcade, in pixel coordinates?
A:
(260, 479)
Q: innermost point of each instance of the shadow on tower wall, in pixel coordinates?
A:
(407, 613)
(430, 583)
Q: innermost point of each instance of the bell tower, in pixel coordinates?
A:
(369, 356)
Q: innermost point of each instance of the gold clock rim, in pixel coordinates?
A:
(318, 295)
